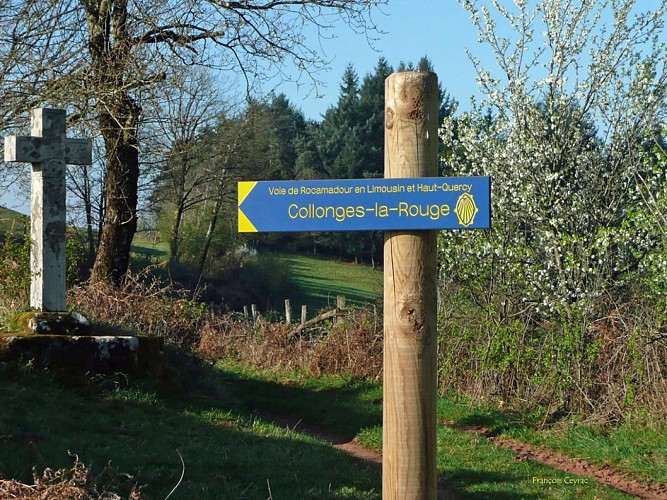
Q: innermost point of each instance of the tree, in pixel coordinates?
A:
(308, 163)
(287, 125)
(340, 130)
(86, 195)
(371, 109)
(103, 59)
(186, 110)
(567, 152)
(237, 148)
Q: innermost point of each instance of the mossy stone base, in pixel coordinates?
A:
(54, 323)
(133, 355)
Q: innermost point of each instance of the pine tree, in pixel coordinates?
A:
(371, 108)
(340, 130)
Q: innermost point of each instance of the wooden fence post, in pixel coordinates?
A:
(410, 327)
(288, 312)
(340, 302)
(340, 305)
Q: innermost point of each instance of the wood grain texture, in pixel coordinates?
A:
(410, 330)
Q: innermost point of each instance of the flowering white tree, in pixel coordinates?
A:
(577, 105)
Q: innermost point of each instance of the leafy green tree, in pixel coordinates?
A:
(308, 163)
(287, 126)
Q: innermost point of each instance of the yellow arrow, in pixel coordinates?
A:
(245, 226)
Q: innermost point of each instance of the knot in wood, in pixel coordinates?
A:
(412, 314)
(389, 118)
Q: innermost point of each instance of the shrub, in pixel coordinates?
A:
(575, 148)
(15, 273)
(143, 305)
(352, 345)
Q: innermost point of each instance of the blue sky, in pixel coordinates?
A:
(439, 29)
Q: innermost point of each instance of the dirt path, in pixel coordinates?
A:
(351, 447)
(603, 474)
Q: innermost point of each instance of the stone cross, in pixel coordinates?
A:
(49, 150)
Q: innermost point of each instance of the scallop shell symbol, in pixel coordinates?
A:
(466, 209)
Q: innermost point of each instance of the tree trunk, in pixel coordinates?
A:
(88, 207)
(122, 179)
(209, 236)
(175, 235)
(110, 49)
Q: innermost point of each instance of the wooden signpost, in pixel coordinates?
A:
(410, 204)
(410, 298)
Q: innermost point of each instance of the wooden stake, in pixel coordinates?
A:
(340, 305)
(410, 362)
(288, 312)
(304, 314)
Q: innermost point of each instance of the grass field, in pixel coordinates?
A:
(202, 416)
(12, 222)
(312, 281)
(210, 416)
(270, 278)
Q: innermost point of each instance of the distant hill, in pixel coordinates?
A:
(12, 222)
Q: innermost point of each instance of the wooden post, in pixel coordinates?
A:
(340, 302)
(410, 362)
(304, 314)
(288, 312)
(255, 314)
(340, 305)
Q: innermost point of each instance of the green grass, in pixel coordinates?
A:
(12, 222)
(271, 278)
(215, 418)
(472, 464)
(228, 451)
(312, 281)
(637, 446)
(148, 251)
(477, 468)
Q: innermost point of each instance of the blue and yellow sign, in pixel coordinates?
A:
(365, 204)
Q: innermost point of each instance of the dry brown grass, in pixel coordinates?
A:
(141, 305)
(352, 345)
(617, 364)
(75, 483)
(611, 368)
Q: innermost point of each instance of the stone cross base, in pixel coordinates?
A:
(139, 355)
(55, 323)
